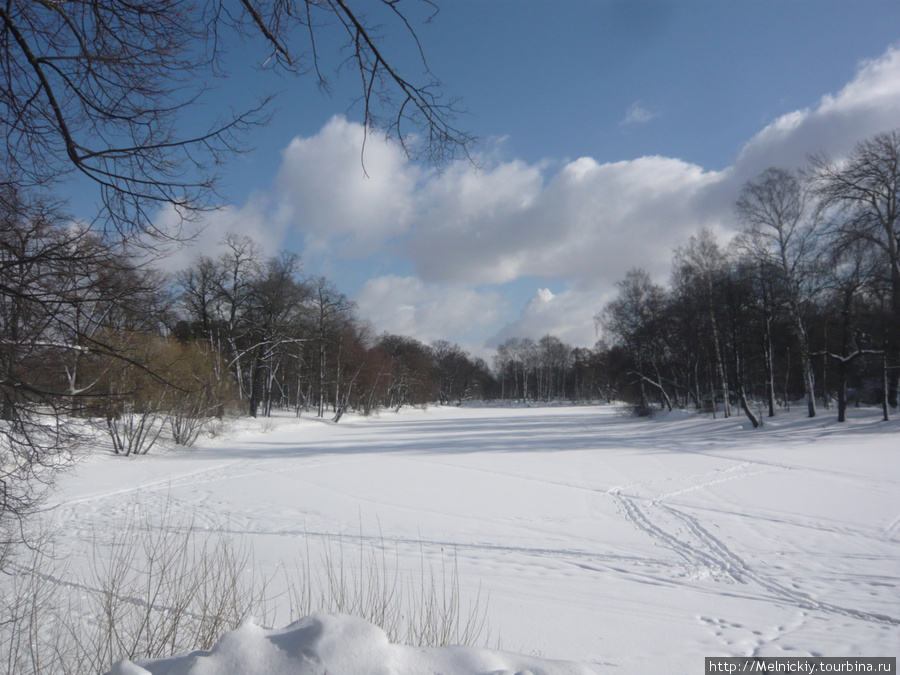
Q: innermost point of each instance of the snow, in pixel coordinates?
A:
(629, 545)
(339, 644)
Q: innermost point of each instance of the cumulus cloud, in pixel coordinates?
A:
(589, 221)
(405, 305)
(568, 315)
(470, 233)
(491, 225)
(253, 220)
(343, 186)
(868, 104)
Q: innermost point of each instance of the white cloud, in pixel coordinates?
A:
(584, 222)
(868, 104)
(589, 221)
(637, 114)
(568, 315)
(251, 220)
(335, 190)
(408, 306)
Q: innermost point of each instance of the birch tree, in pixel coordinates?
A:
(636, 320)
(698, 268)
(865, 190)
(329, 310)
(782, 220)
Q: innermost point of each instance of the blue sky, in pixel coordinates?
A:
(611, 131)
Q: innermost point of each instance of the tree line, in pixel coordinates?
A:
(801, 308)
(295, 342)
(91, 332)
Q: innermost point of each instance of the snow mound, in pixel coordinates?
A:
(339, 645)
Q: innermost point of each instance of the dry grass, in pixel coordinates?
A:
(164, 586)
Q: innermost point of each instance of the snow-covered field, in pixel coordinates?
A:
(634, 546)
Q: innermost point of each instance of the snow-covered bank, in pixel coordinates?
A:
(640, 546)
(322, 644)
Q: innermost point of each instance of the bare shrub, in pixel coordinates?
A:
(136, 431)
(32, 633)
(436, 614)
(164, 588)
(217, 427)
(201, 389)
(420, 608)
(160, 585)
(159, 384)
(637, 410)
(185, 428)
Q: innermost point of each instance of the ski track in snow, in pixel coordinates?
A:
(705, 551)
(893, 529)
(638, 515)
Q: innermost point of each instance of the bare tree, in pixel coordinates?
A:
(517, 357)
(453, 370)
(252, 310)
(238, 267)
(409, 369)
(32, 441)
(865, 188)
(782, 221)
(96, 89)
(199, 285)
(554, 361)
(329, 310)
(636, 320)
(699, 268)
(60, 286)
(851, 271)
(275, 314)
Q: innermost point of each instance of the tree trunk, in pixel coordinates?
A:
(255, 387)
(754, 420)
(663, 396)
(770, 370)
(720, 369)
(842, 391)
(894, 375)
(321, 412)
(739, 380)
(809, 378)
(769, 347)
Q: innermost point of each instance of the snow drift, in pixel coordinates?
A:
(339, 645)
